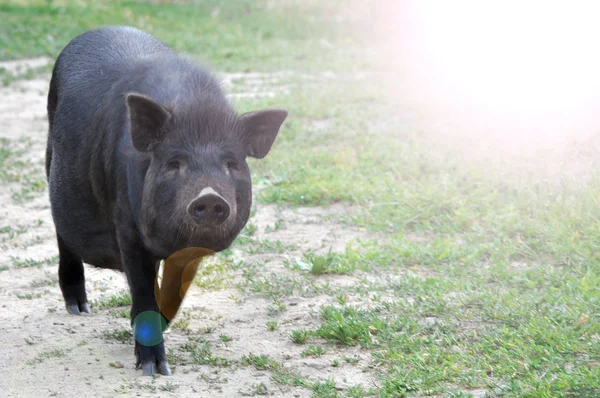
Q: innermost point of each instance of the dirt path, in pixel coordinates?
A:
(46, 352)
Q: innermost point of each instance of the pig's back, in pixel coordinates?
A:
(102, 51)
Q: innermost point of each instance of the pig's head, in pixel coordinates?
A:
(197, 190)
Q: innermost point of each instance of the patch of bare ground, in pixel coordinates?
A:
(19, 66)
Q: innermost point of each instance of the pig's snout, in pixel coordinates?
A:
(209, 208)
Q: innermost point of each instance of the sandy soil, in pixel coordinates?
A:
(46, 352)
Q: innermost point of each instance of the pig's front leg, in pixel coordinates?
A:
(147, 322)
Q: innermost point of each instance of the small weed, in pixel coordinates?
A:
(279, 373)
(175, 357)
(312, 350)
(213, 275)
(352, 360)
(12, 232)
(51, 281)
(272, 325)
(183, 323)
(40, 357)
(261, 389)
(250, 229)
(316, 264)
(121, 335)
(325, 389)
(225, 338)
(168, 386)
(28, 296)
(117, 300)
(300, 336)
(121, 313)
(350, 326)
(358, 392)
(279, 224)
(342, 299)
(260, 362)
(201, 353)
(277, 308)
(28, 262)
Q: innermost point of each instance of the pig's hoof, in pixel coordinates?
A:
(75, 298)
(152, 359)
(148, 369)
(78, 308)
(163, 368)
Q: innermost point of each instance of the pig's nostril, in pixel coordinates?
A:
(209, 209)
(198, 210)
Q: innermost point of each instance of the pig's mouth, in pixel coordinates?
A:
(166, 237)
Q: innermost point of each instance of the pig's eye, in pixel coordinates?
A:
(173, 165)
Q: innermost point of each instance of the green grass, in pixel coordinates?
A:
(519, 258)
(27, 296)
(42, 356)
(16, 169)
(201, 353)
(117, 300)
(313, 350)
(213, 275)
(470, 277)
(122, 336)
(280, 373)
(260, 389)
(49, 281)
(224, 338)
(300, 336)
(168, 386)
(317, 264)
(242, 33)
(28, 73)
(28, 262)
(272, 326)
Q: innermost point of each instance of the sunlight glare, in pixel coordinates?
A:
(529, 56)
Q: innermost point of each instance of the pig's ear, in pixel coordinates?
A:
(147, 120)
(260, 130)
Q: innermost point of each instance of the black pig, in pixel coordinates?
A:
(145, 157)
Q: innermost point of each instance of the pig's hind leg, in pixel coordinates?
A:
(72, 280)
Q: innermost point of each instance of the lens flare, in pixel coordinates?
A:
(520, 60)
(148, 328)
(179, 270)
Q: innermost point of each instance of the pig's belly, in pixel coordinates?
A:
(100, 250)
(84, 230)
(94, 245)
